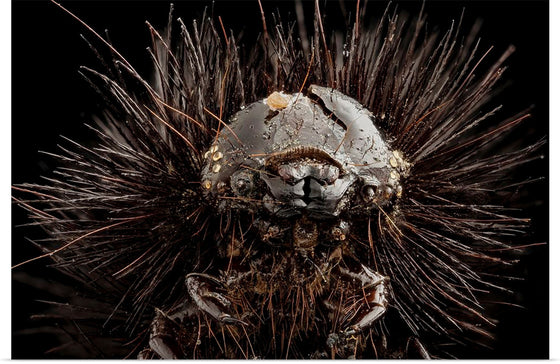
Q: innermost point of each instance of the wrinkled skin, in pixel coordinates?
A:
(307, 165)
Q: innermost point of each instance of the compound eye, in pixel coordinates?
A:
(242, 183)
(369, 193)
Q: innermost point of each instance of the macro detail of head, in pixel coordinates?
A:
(318, 156)
(326, 192)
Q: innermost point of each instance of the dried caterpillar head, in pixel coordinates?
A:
(428, 114)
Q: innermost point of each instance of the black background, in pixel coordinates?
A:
(51, 99)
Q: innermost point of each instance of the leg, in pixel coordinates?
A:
(169, 337)
(204, 290)
(373, 302)
(361, 302)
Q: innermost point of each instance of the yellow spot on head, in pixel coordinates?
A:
(217, 156)
(216, 168)
(393, 162)
(277, 101)
(213, 149)
(207, 184)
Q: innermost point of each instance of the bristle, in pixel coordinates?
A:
(128, 216)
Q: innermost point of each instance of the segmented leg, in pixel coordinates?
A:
(204, 290)
(362, 302)
(168, 330)
(373, 303)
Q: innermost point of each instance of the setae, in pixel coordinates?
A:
(137, 213)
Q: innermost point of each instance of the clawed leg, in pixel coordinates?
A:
(373, 303)
(168, 329)
(204, 290)
(363, 302)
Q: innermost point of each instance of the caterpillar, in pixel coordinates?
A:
(335, 187)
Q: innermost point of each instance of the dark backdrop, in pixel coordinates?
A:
(50, 99)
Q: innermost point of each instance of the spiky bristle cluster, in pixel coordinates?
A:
(127, 216)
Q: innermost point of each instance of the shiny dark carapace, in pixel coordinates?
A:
(301, 153)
